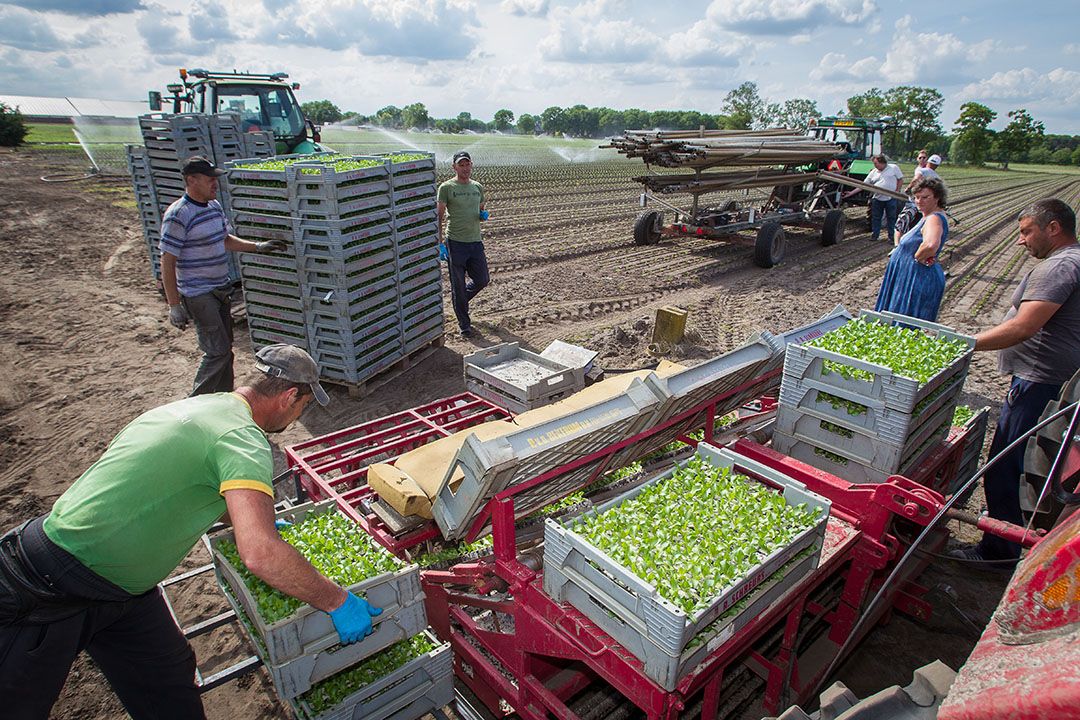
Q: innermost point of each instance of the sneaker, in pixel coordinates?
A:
(467, 332)
(973, 554)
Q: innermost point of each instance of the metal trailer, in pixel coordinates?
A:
(800, 196)
(518, 651)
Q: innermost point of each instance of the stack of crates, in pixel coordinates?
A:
(169, 140)
(359, 286)
(865, 429)
(416, 242)
(142, 184)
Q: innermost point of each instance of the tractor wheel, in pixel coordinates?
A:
(769, 246)
(832, 231)
(647, 228)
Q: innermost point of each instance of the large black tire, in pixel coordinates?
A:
(769, 246)
(647, 228)
(832, 230)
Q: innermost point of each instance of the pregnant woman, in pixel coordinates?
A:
(914, 281)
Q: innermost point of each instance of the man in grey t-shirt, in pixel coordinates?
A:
(1039, 342)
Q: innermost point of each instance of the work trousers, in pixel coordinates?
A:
(213, 329)
(1020, 412)
(466, 259)
(133, 639)
(878, 210)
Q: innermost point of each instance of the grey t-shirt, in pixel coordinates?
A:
(1051, 355)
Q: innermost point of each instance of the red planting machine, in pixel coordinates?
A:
(519, 651)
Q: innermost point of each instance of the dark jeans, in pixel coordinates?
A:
(879, 209)
(1019, 413)
(133, 639)
(214, 332)
(466, 258)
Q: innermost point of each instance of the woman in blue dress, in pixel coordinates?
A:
(914, 281)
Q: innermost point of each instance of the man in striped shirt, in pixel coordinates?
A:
(195, 242)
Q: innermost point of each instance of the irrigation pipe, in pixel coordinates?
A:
(930, 526)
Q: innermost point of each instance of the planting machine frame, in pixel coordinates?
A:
(519, 651)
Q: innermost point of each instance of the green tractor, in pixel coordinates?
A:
(861, 138)
(264, 102)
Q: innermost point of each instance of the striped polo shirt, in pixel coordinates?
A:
(194, 233)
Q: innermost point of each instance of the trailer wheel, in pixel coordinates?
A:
(832, 231)
(769, 246)
(647, 228)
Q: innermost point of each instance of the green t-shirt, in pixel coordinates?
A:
(463, 201)
(137, 511)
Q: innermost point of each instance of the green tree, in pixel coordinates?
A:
(321, 112)
(13, 128)
(503, 120)
(794, 113)
(915, 112)
(526, 124)
(415, 116)
(553, 120)
(1076, 156)
(1062, 156)
(1019, 136)
(870, 104)
(744, 107)
(389, 116)
(973, 134)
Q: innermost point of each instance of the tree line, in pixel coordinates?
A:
(913, 113)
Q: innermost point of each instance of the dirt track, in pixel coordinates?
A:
(87, 347)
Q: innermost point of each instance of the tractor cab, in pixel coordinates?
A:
(860, 137)
(264, 102)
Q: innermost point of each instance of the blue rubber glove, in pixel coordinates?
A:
(444, 252)
(282, 524)
(353, 619)
(484, 215)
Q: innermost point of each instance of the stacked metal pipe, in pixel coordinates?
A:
(700, 149)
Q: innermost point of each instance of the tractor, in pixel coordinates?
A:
(861, 138)
(264, 102)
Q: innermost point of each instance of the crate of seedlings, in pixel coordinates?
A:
(299, 643)
(663, 568)
(407, 680)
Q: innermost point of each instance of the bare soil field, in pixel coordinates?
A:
(87, 347)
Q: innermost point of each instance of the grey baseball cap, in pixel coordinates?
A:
(291, 363)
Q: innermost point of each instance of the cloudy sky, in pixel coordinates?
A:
(525, 55)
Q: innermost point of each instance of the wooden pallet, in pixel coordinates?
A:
(365, 388)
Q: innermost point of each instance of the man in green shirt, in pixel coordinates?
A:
(461, 199)
(84, 577)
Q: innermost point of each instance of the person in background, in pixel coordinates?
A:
(1039, 346)
(888, 176)
(195, 246)
(85, 576)
(914, 282)
(909, 215)
(461, 199)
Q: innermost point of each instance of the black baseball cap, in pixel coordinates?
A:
(461, 155)
(198, 165)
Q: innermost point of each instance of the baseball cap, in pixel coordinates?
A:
(198, 165)
(934, 159)
(461, 155)
(291, 363)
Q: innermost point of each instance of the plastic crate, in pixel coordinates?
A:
(525, 380)
(354, 374)
(430, 324)
(421, 685)
(261, 338)
(631, 610)
(340, 244)
(412, 203)
(309, 631)
(326, 339)
(306, 194)
(257, 205)
(346, 302)
(366, 262)
(493, 465)
(421, 267)
(803, 365)
(972, 453)
(409, 166)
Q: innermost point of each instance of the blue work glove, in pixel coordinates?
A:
(484, 215)
(282, 524)
(444, 252)
(178, 316)
(353, 619)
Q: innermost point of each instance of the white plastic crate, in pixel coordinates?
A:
(518, 379)
(308, 631)
(413, 690)
(631, 610)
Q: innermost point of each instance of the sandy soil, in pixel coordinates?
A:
(87, 346)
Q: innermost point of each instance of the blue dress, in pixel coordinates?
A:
(908, 287)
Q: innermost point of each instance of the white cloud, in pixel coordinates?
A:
(786, 17)
(930, 58)
(526, 8)
(1072, 48)
(1059, 87)
(836, 68)
(81, 7)
(26, 30)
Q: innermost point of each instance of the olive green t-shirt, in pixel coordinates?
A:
(137, 511)
(463, 201)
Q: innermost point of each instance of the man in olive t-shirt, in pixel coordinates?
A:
(84, 576)
(1039, 343)
(461, 199)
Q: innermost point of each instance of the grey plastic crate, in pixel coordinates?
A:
(257, 205)
(309, 631)
(354, 345)
(409, 166)
(409, 203)
(372, 257)
(494, 465)
(804, 365)
(276, 325)
(424, 339)
(631, 610)
(413, 690)
(519, 380)
(328, 298)
(355, 374)
(972, 452)
(261, 338)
